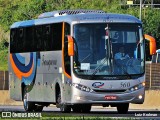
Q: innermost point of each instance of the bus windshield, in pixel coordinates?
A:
(103, 49)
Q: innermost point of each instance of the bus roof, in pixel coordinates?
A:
(93, 16)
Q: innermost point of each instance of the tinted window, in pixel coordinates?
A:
(48, 42)
(29, 39)
(13, 40)
(57, 36)
(36, 38)
(66, 57)
(39, 38)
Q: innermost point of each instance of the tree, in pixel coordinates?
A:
(18, 10)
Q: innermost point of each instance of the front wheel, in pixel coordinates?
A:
(63, 108)
(122, 108)
(81, 108)
(28, 106)
(86, 108)
(76, 108)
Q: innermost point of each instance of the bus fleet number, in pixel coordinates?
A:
(125, 84)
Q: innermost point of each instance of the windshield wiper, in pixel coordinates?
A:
(98, 68)
(109, 52)
(123, 70)
(86, 57)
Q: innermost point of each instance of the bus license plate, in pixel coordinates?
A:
(111, 97)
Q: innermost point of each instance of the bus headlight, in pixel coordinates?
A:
(136, 87)
(82, 87)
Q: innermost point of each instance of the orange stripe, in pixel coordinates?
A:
(63, 67)
(18, 73)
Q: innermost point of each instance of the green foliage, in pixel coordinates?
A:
(2, 45)
(3, 59)
(17, 10)
(151, 21)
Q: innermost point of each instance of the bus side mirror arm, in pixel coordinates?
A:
(70, 46)
(152, 43)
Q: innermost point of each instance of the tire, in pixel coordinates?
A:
(38, 108)
(81, 108)
(122, 108)
(76, 108)
(86, 108)
(63, 108)
(28, 106)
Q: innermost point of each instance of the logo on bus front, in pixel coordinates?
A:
(98, 84)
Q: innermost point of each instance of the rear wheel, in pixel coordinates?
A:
(28, 106)
(38, 108)
(81, 108)
(76, 108)
(63, 108)
(122, 108)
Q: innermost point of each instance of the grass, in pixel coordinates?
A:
(83, 118)
(58, 116)
(4, 36)
(4, 60)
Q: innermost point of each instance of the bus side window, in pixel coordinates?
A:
(39, 38)
(13, 40)
(20, 42)
(47, 38)
(57, 36)
(66, 57)
(29, 39)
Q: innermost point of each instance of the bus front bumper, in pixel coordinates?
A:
(136, 97)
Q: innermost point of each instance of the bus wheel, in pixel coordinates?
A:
(63, 108)
(38, 108)
(76, 108)
(81, 108)
(86, 108)
(28, 106)
(122, 108)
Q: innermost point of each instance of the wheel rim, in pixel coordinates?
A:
(59, 101)
(25, 102)
(62, 106)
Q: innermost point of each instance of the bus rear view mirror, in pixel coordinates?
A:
(152, 43)
(70, 46)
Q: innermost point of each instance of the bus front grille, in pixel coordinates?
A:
(110, 91)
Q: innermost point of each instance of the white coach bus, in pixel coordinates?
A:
(71, 58)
